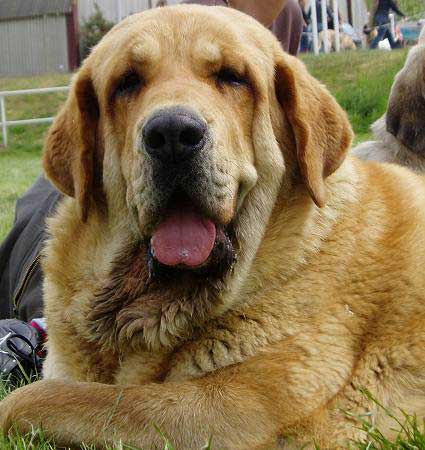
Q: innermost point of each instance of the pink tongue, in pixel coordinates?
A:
(185, 237)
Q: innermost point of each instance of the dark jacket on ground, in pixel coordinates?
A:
(20, 271)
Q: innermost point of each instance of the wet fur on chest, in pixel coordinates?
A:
(145, 306)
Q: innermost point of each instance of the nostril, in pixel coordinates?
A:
(191, 136)
(155, 139)
(173, 135)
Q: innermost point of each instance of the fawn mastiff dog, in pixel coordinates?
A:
(218, 267)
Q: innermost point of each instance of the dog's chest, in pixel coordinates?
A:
(141, 367)
(222, 343)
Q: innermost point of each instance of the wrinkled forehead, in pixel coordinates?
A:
(166, 39)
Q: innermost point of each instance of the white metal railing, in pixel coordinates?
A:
(4, 123)
(324, 15)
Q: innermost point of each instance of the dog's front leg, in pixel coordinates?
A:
(188, 413)
(248, 405)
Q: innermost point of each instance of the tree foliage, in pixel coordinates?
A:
(93, 30)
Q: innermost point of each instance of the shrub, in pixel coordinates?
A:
(93, 30)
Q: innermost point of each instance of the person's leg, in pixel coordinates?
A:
(382, 31)
(390, 38)
(304, 46)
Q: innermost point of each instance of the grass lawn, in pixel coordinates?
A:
(20, 163)
(361, 82)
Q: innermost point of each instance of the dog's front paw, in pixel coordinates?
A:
(10, 409)
(6, 413)
(21, 411)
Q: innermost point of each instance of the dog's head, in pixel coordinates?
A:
(190, 122)
(405, 116)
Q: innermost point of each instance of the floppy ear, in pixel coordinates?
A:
(70, 147)
(405, 116)
(321, 128)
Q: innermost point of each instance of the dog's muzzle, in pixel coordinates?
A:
(186, 234)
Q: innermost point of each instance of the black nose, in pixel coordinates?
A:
(174, 135)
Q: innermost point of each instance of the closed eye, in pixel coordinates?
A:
(230, 77)
(128, 85)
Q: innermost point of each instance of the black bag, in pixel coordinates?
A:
(20, 271)
(19, 350)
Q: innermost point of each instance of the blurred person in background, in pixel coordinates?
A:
(329, 16)
(381, 19)
(305, 43)
(283, 17)
(306, 40)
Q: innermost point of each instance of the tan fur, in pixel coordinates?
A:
(346, 42)
(321, 302)
(400, 132)
(370, 36)
(421, 39)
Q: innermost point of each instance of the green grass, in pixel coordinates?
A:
(18, 170)
(20, 163)
(361, 82)
(413, 8)
(411, 437)
(410, 433)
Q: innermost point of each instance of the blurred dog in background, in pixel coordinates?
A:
(400, 132)
(346, 42)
